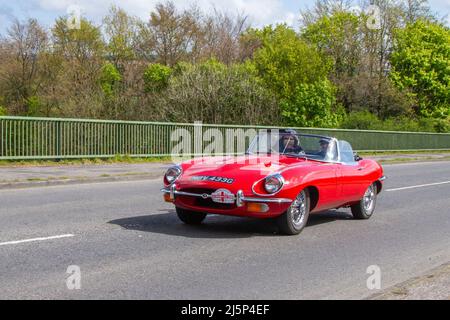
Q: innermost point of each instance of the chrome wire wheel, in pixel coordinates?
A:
(298, 210)
(364, 208)
(369, 198)
(295, 218)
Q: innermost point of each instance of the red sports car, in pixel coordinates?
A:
(283, 175)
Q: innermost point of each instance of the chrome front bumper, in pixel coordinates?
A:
(239, 198)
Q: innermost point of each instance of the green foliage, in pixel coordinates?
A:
(119, 28)
(2, 111)
(84, 43)
(421, 64)
(109, 78)
(296, 73)
(338, 37)
(334, 72)
(34, 106)
(364, 120)
(285, 61)
(311, 106)
(156, 77)
(216, 93)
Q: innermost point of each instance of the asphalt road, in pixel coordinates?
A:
(128, 243)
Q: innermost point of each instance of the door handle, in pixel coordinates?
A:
(361, 168)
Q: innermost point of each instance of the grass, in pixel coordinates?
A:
(382, 153)
(89, 161)
(399, 160)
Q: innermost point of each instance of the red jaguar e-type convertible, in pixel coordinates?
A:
(283, 175)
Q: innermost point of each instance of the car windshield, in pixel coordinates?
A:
(294, 144)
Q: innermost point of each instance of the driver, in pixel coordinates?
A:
(289, 144)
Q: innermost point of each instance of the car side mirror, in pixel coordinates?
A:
(356, 156)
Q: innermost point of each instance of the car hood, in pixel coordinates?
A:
(243, 170)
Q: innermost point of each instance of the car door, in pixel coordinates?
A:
(352, 176)
(325, 177)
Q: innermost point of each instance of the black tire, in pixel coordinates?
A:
(190, 217)
(291, 223)
(363, 209)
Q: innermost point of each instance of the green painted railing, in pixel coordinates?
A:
(51, 138)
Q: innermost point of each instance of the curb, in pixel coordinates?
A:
(72, 181)
(430, 285)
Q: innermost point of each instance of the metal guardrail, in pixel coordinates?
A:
(54, 138)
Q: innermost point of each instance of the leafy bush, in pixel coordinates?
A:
(421, 64)
(311, 106)
(2, 111)
(34, 106)
(109, 78)
(156, 77)
(362, 120)
(365, 120)
(215, 93)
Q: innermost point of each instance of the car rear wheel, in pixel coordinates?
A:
(190, 217)
(295, 218)
(366, 206)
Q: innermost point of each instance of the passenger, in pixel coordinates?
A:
(323, 143)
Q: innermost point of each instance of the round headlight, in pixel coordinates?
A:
(273, 183)
(172, 174)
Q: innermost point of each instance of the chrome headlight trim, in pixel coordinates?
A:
(175, 172)
(277, 177)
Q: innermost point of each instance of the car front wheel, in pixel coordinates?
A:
(295, 218)
(366, 206)
(190, 217)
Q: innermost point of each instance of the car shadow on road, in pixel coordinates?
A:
(216, 226)
(328, 216)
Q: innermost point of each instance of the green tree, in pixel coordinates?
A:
(2, 111)
(284, 60)
(121, 31)
(421, 64)
(338, 36)
(21, 64)
(83, 44)
(296, 73)
(80, 55)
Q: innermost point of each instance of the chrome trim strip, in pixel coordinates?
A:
(270, 200)
(183, 193)
(382, 178)
(240, 198)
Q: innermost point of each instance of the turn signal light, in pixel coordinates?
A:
(257, 207)
(167, 197)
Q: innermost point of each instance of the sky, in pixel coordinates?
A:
(260, 12)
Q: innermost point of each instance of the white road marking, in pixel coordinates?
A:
(419, 186)
(36, 239)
